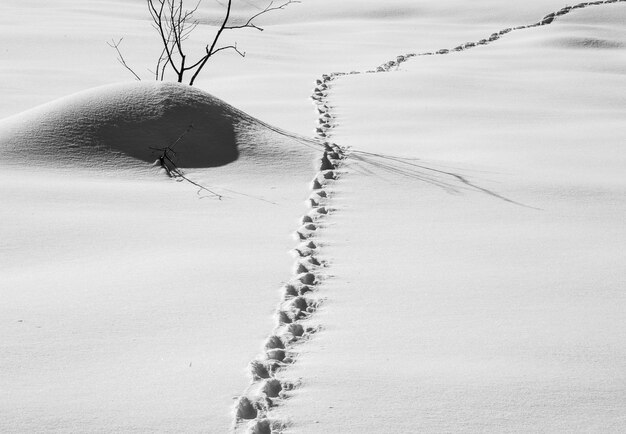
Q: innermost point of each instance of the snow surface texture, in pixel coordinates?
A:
(514, 355)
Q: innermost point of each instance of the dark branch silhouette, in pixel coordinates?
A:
(175, 24)
(166, 160)
(268, 8)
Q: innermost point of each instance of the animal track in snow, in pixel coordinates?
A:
(299, 302)
(548, 19)
(268, 371)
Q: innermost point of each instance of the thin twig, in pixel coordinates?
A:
(267, 9)
(120, 57)
(231, 47)
(166, 159)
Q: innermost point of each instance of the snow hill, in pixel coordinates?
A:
(137, 120)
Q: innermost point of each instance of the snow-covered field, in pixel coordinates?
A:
(466, 264)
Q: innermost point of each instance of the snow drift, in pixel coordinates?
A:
(111, 123)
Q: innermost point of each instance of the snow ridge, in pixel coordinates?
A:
(300, 297)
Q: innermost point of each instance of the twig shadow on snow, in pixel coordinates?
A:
(454, 183)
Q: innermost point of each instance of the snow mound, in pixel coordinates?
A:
(129, 123)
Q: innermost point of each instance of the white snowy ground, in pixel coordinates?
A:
(132, 302)
(129, 304)
(452, 310)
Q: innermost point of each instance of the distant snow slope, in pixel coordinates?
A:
(452, 309)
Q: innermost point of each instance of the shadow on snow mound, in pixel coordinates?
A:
(111, 123)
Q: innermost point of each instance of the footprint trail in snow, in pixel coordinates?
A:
(300, 299)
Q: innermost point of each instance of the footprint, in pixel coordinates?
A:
(258, 370)
(276, 354)
(272, 388)
(563, 11)
(302, 252)
(262, 426)
(296, 330)
(321, 193)
(307, 278)
(300, 303)
(245, 409)
(284, 318)
(326, 164)
(316, 184)
(314, 261)
(274, 342)
(305, 289)
(289, 291)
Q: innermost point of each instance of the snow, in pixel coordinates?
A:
(134, 302)
(470, 250)
(454, 310)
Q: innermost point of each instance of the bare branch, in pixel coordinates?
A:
(230, 47)
(175, 24)
(163, 59)
(267, 9)
(201, 60)
(120, 57)
(166, 160)
(157, 18)
(213, 44)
